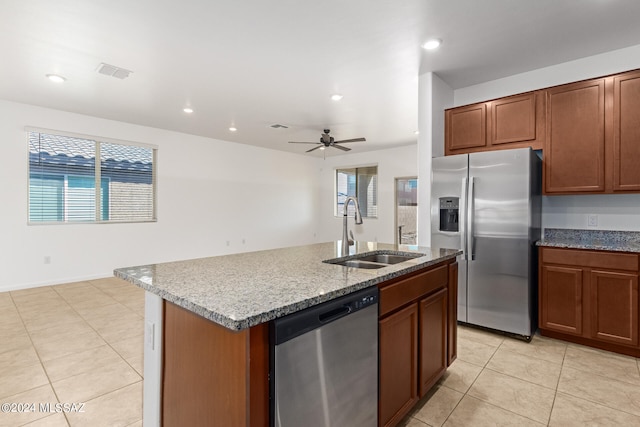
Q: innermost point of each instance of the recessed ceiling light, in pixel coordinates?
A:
(56, 78)
(336, 97)
(188, 110)
(232, 129)
(432, 44)
(417, 132)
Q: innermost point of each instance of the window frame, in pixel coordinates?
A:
(337, 170)
(97, 178)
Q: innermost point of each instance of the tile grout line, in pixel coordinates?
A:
(107, 343)
(555, 394)
(39, 357)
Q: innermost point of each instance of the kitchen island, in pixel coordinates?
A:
(207, 322)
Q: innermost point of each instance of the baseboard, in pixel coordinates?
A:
(54, 282)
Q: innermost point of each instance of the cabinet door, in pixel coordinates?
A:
(626, 132)
(398, 365)
(614, 307)
(452, 314)
(513, 119)
(574, 154)
(433, 339)
(561, 299)
(466, 128)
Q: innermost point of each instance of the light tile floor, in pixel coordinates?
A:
(82, 342)
(500, 381)
(73, 343)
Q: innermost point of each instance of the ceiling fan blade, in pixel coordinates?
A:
(351, 140)
(302, 142)
(315, 148)
(340, 147)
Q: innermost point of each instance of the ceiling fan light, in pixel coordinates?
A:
(432, 44)
(188, 110)
(233, 129)
(336, 97)
(323, 147)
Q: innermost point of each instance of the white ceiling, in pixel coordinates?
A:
(253, 63)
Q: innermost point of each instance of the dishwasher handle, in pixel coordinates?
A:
(335, 314)
(306, 320)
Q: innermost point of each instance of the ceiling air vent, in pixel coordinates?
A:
(279, 126)
(113, 71)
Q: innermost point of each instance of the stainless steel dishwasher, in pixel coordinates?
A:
(325, 364)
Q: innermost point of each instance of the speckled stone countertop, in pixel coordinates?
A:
(601, 240)
(243, 290)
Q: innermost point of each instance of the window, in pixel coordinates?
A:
(81, 179)
(361, 183)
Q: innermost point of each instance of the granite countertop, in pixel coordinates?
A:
(243, 290)
(601, 240)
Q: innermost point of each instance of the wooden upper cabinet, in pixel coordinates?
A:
(511, 122)
(466, 128)
(626, 132)
(513, 119)
(574, 155)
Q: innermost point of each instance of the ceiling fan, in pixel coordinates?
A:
(327, 140)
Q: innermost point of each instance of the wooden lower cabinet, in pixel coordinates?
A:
(415, 327)
(561, 299)
(198, 355)
(452, 314)
(614, 307)
(433, 339)
(398, 365)
(592, 301)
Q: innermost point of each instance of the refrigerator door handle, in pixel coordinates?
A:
(470, 223)
(463, 219)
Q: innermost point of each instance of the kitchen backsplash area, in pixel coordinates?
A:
(594, 212)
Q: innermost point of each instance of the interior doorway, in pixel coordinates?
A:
(406, 223)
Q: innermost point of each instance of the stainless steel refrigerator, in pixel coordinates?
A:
(488, 205)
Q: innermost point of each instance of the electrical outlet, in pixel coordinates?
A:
(592, 220)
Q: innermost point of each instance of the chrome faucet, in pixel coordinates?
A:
(346, 242)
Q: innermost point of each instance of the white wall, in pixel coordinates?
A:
(434, 96)
(210, 192)
(615, 212)
(585, 68)
(392, 163)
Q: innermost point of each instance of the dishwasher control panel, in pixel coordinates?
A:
(365, 301)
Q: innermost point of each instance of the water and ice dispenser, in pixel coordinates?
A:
(449, 214)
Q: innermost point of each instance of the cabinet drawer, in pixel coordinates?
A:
(593, 259)
(408, 290)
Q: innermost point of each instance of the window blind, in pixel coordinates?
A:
(77, 179)
(361, 182)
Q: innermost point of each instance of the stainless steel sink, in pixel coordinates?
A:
(374, 260)
(388, 258)
(360, 264)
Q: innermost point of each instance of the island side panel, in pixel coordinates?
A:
(452, 330)
(153, 312)
(207, 372)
